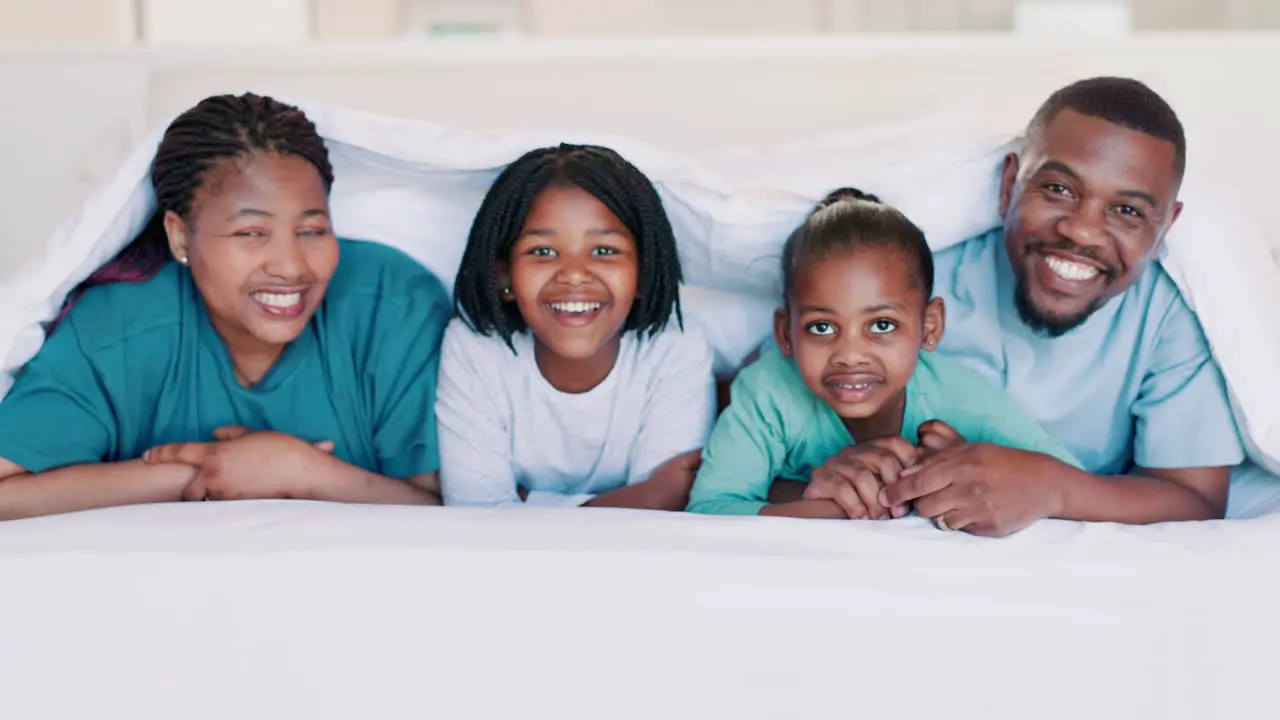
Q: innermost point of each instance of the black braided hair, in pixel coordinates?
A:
(846, 219)
(618, 185)
(217, 128)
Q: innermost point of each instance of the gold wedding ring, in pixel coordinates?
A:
(942, 524)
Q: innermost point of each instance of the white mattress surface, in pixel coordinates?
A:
(318, 611)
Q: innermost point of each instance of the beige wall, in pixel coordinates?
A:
(69, 22)
(43, 22)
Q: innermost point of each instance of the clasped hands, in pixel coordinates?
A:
(244, 464)
(980, 488)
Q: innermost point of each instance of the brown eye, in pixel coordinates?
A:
(883, 326)
(1058, 189)
(821, 327)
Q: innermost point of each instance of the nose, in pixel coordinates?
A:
(1084, 225)
(574, 271)
(285, 258)
(850, 351)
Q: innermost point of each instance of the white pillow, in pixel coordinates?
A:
(417, 186)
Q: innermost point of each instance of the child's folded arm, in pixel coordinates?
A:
(812, 509)
(745, 452)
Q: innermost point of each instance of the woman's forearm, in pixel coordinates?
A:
(336, 481)
(89, 486)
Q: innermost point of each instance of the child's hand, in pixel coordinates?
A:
(854, 477)
(936, 435)
(670, 483)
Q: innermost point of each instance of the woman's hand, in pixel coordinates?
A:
(243, 464)
(853, 477)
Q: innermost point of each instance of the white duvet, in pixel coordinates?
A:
(277, 611)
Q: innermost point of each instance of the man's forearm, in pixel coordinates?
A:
(1131, 499)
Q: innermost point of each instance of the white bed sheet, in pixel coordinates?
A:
(317, 611)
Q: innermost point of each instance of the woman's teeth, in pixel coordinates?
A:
(858, 386)
(1070, 270)
(575, 307)
(285, 300)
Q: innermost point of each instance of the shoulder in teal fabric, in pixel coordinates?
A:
(977, 408)
(775, 427)
(137, 365)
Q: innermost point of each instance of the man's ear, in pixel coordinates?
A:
(1008, 180)
(782, 330)
(179, 239)
(935, 323)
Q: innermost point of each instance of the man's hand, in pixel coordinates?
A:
(244, 465)
(980, 488)
(855, 477)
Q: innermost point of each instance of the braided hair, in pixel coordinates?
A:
(217, 128)
(618, 185)
(847, 219)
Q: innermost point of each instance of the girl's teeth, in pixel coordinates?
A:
(575, 307)
(287, 300)
(1070, 270)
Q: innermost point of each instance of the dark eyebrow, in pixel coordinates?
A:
(885, 306)
(315, 212)
(816, 309)
(1140, 195)
(1061, 167)
(252, 212)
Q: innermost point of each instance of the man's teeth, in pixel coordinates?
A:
(575, 307)
(286, 300)
(1070, 270)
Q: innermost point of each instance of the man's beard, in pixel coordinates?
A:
(1045, 325)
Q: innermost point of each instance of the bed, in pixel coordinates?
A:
(298, 610)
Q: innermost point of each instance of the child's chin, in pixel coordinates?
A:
(857, 411)
(577, 348)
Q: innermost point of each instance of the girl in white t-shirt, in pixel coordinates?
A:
(564, 381)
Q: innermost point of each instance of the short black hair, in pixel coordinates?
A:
(618, 185)
(1120, 101)
(847, 219)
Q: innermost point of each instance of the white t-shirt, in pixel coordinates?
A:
(504, 427)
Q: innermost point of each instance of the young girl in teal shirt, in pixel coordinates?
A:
(227, 353)
(852, 390)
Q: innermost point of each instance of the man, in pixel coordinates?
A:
(1064, 307)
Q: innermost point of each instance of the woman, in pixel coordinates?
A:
(226, 353)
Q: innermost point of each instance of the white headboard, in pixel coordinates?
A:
(69, 116)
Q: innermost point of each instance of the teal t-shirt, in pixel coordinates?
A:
(775, 427)
(134, 365)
